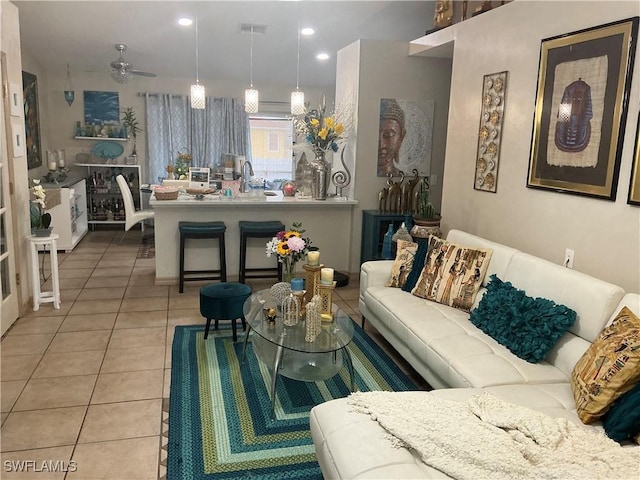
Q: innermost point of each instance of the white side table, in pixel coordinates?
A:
(39, 296)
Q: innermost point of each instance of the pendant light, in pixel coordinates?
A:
(251, 94)
(297, 97)
(69, 93)
(197, 90)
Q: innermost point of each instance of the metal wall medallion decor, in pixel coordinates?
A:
(582, 101)
(490, 132)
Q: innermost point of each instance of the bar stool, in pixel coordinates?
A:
(50, 242)
(224, 301)
(213, 230)
(249, 229)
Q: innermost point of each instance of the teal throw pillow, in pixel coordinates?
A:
(528, 327)
(622, 421)
(417, 266)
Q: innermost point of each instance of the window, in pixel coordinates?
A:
(271, 148)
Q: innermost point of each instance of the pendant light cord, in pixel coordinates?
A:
(298, 59)
(251, 56)
(197, 73)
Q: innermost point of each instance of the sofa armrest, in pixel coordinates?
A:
(374, 274)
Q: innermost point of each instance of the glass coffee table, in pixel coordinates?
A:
(284, 350)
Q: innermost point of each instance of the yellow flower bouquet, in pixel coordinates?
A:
(321, 131)
(290, 247)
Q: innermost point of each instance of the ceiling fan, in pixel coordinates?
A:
(121, 70)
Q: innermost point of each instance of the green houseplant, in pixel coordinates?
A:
(130, 122)
(425, 217)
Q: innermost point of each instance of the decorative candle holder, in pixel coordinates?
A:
(326, 297)
(312, 280)
(300, 296)
(313, 325)
(290, 311)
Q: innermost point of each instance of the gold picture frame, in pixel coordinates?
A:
(582, 100)
(634, 183)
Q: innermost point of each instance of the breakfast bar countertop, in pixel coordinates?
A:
(326, 222)
(270, 197)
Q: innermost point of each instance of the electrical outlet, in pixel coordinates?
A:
(568, 258)
(433, 179)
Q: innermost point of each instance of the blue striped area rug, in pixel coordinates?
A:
(220, 424)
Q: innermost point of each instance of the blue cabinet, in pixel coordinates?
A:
(374, 225)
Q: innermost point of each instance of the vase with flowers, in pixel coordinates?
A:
(40, 220)
(290, 247)
(322, 132)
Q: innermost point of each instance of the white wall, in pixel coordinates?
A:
(605, 235)
(375, 70)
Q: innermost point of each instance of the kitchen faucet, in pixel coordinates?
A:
(245, 179)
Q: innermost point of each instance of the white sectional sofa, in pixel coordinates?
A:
(459, 360)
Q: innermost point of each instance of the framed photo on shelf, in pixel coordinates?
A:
(634, 183)
(582, 100)
(199, 177)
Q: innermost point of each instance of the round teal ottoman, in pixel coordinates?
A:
(224, 301)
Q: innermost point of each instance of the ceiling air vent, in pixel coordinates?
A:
(257, 29)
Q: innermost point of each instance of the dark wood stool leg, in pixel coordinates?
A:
(215, 325)
(206, 329)
(223, 259)
(182, 241)
(233, 327)
(243, 255)
(244, 323)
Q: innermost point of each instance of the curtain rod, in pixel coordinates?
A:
(155, 94)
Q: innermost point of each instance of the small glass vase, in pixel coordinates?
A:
(288, 270)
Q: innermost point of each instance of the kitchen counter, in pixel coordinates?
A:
(327, 223)
(268, 198)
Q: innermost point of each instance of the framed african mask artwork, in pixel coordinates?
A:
(582, 101)
(405, 137)
(634, 184)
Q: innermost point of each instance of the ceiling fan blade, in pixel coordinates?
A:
(143, 74)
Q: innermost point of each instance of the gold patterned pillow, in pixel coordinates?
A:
(452, 274)
(609, 368)
(404, 261)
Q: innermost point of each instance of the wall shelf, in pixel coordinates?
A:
(102, 138)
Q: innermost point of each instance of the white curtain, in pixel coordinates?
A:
(173, 127)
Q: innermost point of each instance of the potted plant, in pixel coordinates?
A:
(40, 220)
(426, 220)
(130, 122)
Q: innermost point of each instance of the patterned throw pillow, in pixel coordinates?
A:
(418, 265)
(452, 274)
(609, 368)
(529, 327)
(402, 266)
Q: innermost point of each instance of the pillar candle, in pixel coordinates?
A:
(313, 258)
(326, 276)
(297, 284)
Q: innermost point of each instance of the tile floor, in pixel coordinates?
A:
(84, 385)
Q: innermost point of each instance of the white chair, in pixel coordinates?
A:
(132, 216)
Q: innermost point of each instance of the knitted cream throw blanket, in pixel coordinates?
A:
(486, 437)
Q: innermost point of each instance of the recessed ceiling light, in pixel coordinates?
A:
(307, 31)
(185, 21)
(322, 56)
